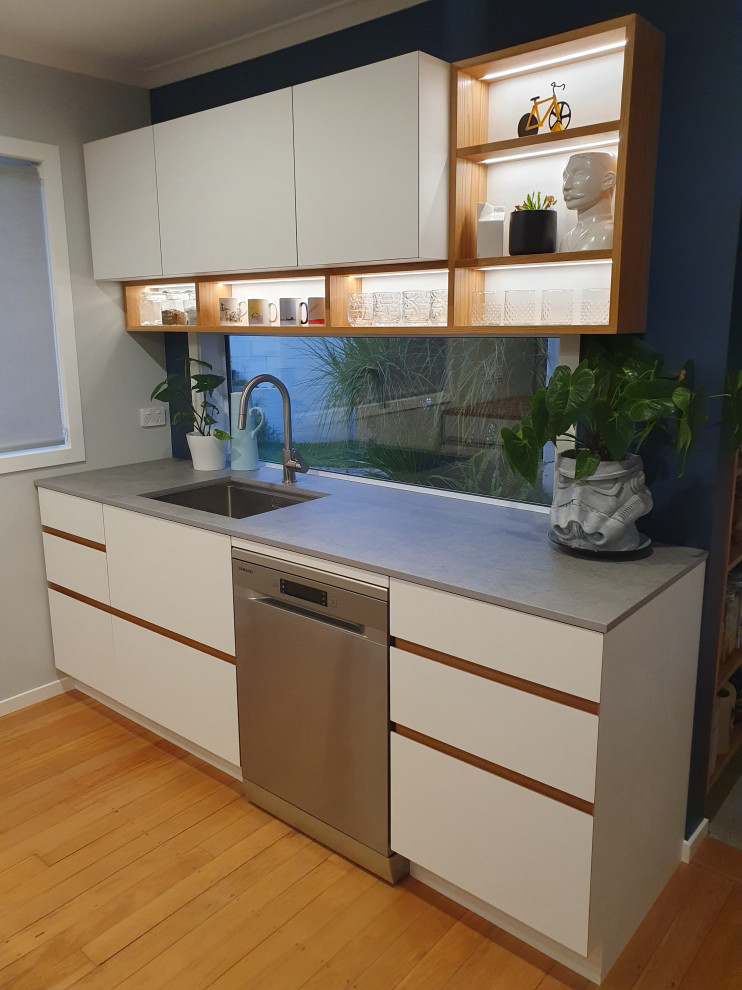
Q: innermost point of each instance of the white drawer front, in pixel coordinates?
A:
(191, 592)
(76, 567)
(542, 739)
(523, 853)
(78, 516)
(541, 650)
(83, 644)
(183, 689)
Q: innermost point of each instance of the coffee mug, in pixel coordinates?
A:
(261, 312)
(232, 310)
(316, 310)
(289, 311)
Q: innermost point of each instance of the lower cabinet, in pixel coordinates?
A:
(513, 848)
(135, 655)
(539, 770)
(183, 689)
(83, 642)
(176, 577)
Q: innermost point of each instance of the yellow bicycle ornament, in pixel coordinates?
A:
(558, 113)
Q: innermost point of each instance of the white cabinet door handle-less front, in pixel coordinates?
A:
(225, 183)
(371, 148)
(176, 577)
(122, 202)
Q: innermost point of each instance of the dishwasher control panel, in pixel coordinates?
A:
(303, 591)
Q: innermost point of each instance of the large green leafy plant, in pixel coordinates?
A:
(180, 388)
(615, 398)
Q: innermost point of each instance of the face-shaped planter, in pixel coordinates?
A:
(600, 512)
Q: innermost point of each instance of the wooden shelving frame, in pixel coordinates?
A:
(635, 130)
(338, 283)
(727, 664)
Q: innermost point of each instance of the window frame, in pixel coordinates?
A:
(46, 157)
(215, 349)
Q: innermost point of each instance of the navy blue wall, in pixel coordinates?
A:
(696, 215)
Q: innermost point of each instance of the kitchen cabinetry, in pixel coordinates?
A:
(539, 747)
(142, 644)
(369, 147)
(539, 769)
(371, 150)
(225, 187)
(334, 287)
(612, 77)
(223, 180)
(122, 204)
(75, 555)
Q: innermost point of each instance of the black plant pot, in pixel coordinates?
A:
(532, 232)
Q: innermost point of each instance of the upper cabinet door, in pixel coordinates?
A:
(122, 201)
(371, 150)
(225, 181)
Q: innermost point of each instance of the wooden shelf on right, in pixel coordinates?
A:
(727, 663)
(612, 78)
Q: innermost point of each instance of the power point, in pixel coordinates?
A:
(152, 416)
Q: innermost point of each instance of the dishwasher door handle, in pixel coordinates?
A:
(305, 613)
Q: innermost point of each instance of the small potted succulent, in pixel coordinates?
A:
(208, 446)
(533, 226)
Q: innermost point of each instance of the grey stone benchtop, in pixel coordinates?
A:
(491, 552)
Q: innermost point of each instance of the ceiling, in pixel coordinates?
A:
(153, 42)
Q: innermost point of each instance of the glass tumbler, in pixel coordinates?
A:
(486, 309)
(360, 309)
(595, 306)
(190, 307)
(150, 308)
(416, 307)
(557, 306)
(520, 307)
(439, 307)
(387, 308)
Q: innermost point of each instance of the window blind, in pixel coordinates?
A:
(31, 415)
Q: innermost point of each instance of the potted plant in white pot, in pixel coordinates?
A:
(606, 408)
(208, 446)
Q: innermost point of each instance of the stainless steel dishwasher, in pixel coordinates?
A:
(313, 701)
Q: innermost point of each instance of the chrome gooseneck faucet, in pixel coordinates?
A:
(292, 459)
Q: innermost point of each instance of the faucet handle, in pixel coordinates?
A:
(298, 462)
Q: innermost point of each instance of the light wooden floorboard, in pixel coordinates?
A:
(128, 863)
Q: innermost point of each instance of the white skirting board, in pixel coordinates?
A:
(588, 966)
(173, 737)
(690, 846)
(35, 695)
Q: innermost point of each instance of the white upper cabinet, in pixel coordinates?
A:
(371, 149)
(225, 181)
(122, 201)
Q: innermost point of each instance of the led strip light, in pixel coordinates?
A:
(615, 46)
(557, 149)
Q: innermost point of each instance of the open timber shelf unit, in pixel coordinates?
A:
(612, 75)
(729, 662)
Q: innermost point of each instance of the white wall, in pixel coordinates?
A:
(117, 371)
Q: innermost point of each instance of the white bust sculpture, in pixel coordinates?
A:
(587, 186)
(600, 512)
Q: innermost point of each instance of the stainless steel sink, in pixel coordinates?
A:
(233, 498)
